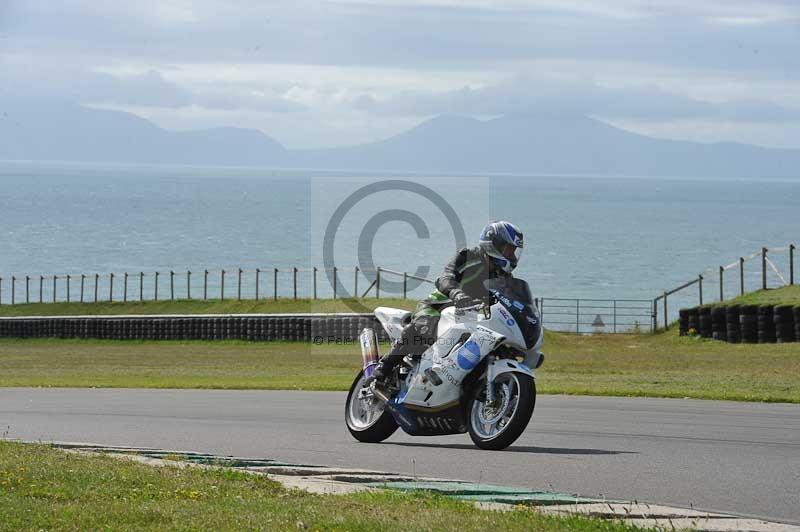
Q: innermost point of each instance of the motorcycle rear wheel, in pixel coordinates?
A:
(495, 428)
(366, 424)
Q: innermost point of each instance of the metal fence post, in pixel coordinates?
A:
(111, 287)
(55, 280)
(721, 289)
(294, 282)
(314, 270)
(13, 289)
(275, 284)
(378, 282)
(335, 282)
(700, 288)
(541, 310)
(83, 281)
(141, 286)
(27, 289)
(222, 287)
(615, 315)
(791, 264)
(355, 282)
(405, 284)
(763, 268)
(239, 286)
(654, 311)
(124, 287)
(68, 277)
(258, 271)
(188, 284)
(666, 315)
(1, 290)
(741, 276)
(96, 284)
(155, 294)
(577, 315)
(171, 285)
(205, 285)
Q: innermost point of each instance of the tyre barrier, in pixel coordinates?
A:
(683, 321)
(766, 324)
(320, 329)
(705, 322)
(748, 323)
(784, 324)
(719, 328)
(763, 324)
(732, 326)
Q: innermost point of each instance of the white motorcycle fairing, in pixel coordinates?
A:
(393, 320)
(430, 401)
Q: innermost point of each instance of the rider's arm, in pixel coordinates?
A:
(449, 280)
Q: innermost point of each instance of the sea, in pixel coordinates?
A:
(585, 237)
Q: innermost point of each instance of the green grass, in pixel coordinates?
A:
(659, 365)
(228, 306)
(46, 488)
(788, 295)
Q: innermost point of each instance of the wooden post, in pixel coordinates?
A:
(55, 279)
(275, 284)
(763, 268)
(791, 264)
(721, 289)
(222, 288)
(205, 285)
(355, 282)
(239, 286)
(335, 281)
(111, 287)
(83, 281)
(124, 288)
(155, 295)
(315, 281)
(188, 284)
(577, 315)
(700, 288)
(405, 284)
(378, 282)
(171, 285)
(13, 289)
(1, 290)
(68, 277)
(258, 271)
(294, 281)
(41, 288)
(96, 284)
(741, 276)
(141, 286)
(666, 316)
(615, 315)
(27, 289)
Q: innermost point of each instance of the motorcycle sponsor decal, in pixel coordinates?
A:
(468, 355)
(505, 314)
(450, 378)
(510, 322)
(517, 305)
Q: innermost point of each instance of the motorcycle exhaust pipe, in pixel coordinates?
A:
(369, 350)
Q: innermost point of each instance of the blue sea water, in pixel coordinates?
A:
(585, 237)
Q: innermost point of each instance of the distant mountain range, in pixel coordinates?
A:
(520, 144)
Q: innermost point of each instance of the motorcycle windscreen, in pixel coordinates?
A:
(516, 297)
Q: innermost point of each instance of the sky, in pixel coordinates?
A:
(330, 73)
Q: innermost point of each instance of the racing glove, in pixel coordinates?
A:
(460, 299)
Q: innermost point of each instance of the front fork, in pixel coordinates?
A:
(490, 379)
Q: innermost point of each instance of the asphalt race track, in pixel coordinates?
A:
(741, 458)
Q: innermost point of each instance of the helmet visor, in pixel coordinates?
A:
(511, 252)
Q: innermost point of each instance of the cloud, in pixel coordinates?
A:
(575, 98)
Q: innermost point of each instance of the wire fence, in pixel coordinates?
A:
(771, 267)
(766, 268)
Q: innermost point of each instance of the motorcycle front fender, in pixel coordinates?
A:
(507, 365)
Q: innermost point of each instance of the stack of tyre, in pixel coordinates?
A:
(747, 324)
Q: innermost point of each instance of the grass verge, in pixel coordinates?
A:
(659, 365)
(46, 488)
(214, 306)
(788, 295)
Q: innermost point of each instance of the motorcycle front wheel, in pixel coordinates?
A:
(497, 425)
(366, 419)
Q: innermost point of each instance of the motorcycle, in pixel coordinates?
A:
(477, 377)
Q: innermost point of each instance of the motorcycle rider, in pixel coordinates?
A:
(461, 284)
